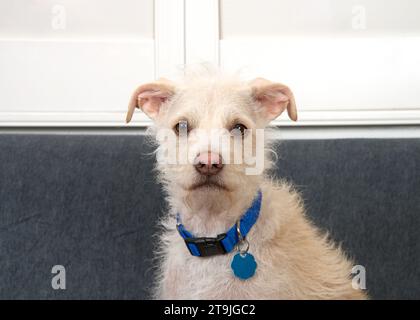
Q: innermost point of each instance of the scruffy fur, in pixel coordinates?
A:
(295, 260)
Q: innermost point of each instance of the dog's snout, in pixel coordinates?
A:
(208, 163)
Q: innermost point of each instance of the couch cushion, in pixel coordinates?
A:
(90, 202)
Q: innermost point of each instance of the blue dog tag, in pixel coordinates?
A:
(243, 265)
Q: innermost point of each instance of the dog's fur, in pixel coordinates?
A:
(295, 260)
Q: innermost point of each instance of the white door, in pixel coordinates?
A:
(349, 62)
(76, 62)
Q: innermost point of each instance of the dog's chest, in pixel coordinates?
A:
(191, 277)
(210, 278)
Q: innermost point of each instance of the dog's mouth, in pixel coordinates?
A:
(208, 183)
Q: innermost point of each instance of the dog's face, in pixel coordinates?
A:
(210, 130)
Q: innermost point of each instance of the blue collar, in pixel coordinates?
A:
(225, 242)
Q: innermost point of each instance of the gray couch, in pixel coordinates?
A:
(89, 202)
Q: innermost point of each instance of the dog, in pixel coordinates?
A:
(229, 233)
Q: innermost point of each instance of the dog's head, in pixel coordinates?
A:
(210, 129)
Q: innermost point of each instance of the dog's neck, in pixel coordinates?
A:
(211, 212)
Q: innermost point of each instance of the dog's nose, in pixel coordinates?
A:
(208, 163)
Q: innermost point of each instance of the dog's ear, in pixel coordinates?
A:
(274, 98)
(149, 98)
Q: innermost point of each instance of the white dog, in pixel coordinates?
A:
(230, 234)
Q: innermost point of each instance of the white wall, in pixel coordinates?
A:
(75, 62)
(348, 62)
(98, 19)
(319, 17)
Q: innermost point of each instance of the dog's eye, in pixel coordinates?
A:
(238, 129)
(181, 127)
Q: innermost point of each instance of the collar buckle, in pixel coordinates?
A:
(207, 246)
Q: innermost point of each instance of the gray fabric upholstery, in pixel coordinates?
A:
(89, 202)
